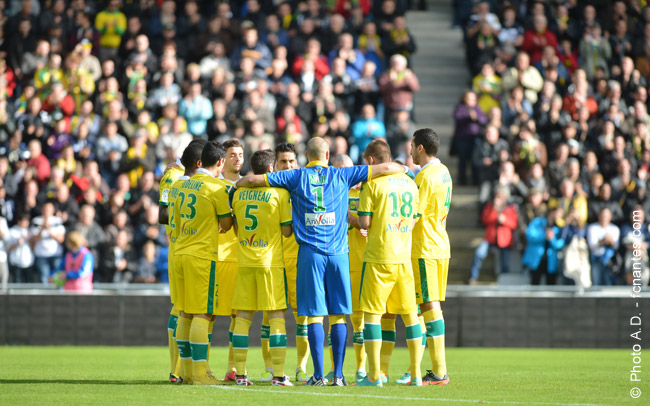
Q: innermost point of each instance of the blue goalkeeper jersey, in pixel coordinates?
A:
(319, 199)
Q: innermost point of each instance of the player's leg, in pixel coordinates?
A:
(272, 296)
(310, 290)
(185, 319)
(372, 343)
(226, 277)
(357, 325)
(357, 341)
(210, 328)
(432, 291)
(302, 341)
(240, 344)
(388, 336)
(267, 376)
(330, 375)
(245, 301)
(339, 303)
(171, 341)
(231, 371)
(203, 276)
(414, 343)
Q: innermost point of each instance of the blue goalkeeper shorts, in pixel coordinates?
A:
(323, 283)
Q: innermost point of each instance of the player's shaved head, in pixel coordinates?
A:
(261, 160)
(317, 149)
(342, 161)
(192, 153)
(379, 150)
(212, 153)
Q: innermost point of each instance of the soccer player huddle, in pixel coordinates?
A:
(329, 241)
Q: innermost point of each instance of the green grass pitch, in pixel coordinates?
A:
(137, 375)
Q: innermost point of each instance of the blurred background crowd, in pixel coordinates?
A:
(555, 132)
(98, 97)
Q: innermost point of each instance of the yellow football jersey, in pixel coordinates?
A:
(392, 202)
(228, 241)
(199, 202)
(430, 239)
(356, 241)
(289, 244)
(166, 183)
(260, 213)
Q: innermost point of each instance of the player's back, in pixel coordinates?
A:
(201, 199)
(430, 239)
(228, 240)
(260, 215)
(392, 201)
(166, 184)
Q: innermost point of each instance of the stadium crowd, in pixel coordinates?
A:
(556, 132)
(98, 97)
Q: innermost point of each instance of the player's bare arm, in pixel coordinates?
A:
(365, 221)
(163, 215)
(251, 181)
(386, 168)
(225, 223)
(287, 230)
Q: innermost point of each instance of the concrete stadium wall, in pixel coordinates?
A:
(60, 319)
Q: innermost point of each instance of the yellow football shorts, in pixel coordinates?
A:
(260, 288)
(355, 283)
(430, 279)
(291, 269)
(226, 277)
(387, 288)
(170, 274)
(196, 284)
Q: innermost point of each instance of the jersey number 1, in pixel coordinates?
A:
(320, 205)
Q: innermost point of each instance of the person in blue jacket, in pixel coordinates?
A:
(543, 243)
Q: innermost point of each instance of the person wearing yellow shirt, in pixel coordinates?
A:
(189, 163)
(262, 217)
(111, 25)
(431, 252)
(200, 210)
(387, 209)
(228, 242)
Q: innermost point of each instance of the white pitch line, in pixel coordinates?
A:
(506, 402)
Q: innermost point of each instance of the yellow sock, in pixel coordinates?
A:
(240, 344)
(329, 346)
(436, 340)
(184, 348)
(302, 341)
(199, 344)
(278, 344)
(414, 342)
(357, 340)
(264, 337)
(424, 336)
(372, 343)
(173, 348)
(388, 335)
(231, 358)
(210, 328)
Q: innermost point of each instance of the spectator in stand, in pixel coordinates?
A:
(522, 74)
(487, 85)
(111, 25)
(486, 161)
(196, 110)
(399, 40)
(120, 260)
(252, 47)
(147, 271)
(543, 245)
(92, 234)
(569, 200)
(511, 35)
(537, 38)
(48, 234)
(469, 119)
(21, 257)
(398, 85)
(595, 52)
(39, 162)
(353, 58)
(500, 220)
(364, 130)
(77, 265)
(603, 240)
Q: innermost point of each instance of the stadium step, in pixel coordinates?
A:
(440, 66)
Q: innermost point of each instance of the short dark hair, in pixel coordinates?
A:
(212, 153)
(232, 144)
(428, 139)
(285, 147)
(379, 150)
(192, 153)
(261, 160)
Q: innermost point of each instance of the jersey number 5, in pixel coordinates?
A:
(250, 216)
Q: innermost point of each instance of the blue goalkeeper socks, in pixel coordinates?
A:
(339, 339)
(316, 337)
